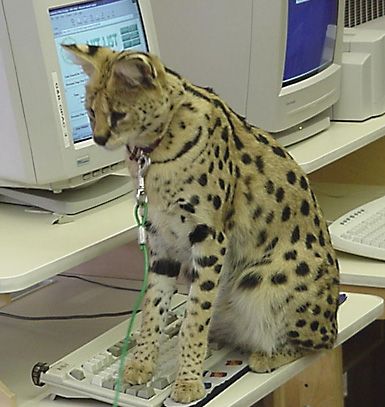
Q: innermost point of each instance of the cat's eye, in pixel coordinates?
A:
(115, 117)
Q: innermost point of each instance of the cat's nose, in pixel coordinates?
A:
(101, 139)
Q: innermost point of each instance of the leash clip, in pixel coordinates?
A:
(143, 164)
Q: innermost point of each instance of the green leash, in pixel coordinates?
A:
(141, 214)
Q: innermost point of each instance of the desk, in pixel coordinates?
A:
(32, 249)
(356, 313)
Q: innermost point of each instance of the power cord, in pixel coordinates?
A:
(66, 317)
(76, 276)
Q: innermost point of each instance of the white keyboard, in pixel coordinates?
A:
(362, 230)
(91, 371)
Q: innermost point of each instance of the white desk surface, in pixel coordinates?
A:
(33, 249)
(356, 313)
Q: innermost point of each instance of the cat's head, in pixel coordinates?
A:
(127, 96)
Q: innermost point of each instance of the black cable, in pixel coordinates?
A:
(98, 283)
(66, 317)
(72, 317)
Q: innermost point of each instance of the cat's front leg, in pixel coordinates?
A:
(161, 287)
(208, 256)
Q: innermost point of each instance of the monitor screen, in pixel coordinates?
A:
(113, 23)
(311, 38)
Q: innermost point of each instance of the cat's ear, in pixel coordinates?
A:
(88, 56)
(136, 69)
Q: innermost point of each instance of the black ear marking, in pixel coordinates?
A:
(87, 56)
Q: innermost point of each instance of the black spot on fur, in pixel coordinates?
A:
(304, 184)
(321, 239)
(300, 323)
(203, 180)
(157, 301)
(207, 261)
(314, 325)
(279, 151)
(286, 213)
(225, 134)
(270, 217)
(291, 177)
(310, 239)
(295, 235)
(238, 143)
(260, 164)
(166, 267)
(279, 278)
(261, 138)
(207, 285)
(187, 207)
(217, 202)
(194, 200)
(269, 186)
(305, 208)
(316, 310)
(262, 237)
(246, 159)
(279, 194)
(257, 212)
(250, 280)
(291, 255)
(199, 234)
(302, 308)
(302, 269)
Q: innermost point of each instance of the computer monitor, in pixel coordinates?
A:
(276, 62)
(47, 152)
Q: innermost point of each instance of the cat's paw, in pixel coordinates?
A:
(137, 372)
(186, 391)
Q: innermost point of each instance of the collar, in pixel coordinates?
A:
(135, 153)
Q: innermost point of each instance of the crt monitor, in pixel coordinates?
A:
(276, 62)
(47, 150)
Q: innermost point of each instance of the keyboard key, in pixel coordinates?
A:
(108, 384)
(77, 374)
(146, 393)
(133, 390)
(98, 380)
(160, 383)
(114, 350)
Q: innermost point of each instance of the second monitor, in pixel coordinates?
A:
(276, 62)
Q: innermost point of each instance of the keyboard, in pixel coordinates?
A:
(91, 371)
(362, 230)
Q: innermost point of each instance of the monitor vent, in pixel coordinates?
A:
(359, 11)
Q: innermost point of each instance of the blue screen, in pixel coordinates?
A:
(111, 23)
(311, 38)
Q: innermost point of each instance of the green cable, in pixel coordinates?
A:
(143, 247)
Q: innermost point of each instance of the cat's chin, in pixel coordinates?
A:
(113, 145)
